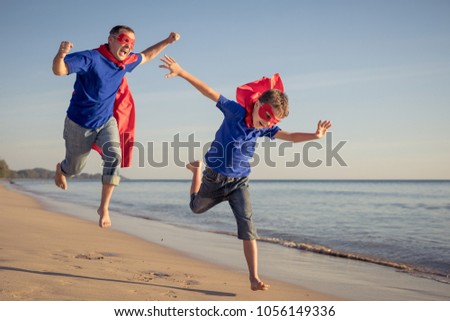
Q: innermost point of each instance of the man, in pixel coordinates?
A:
(99, 91)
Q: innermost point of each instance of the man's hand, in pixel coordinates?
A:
(64, 48)
(322, 128)
(59, 67)
(173, 37)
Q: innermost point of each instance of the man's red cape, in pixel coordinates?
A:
(124, 109)
(248, 94)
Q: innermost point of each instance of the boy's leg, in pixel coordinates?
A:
(241, 204)
(109, 141)
(206, 190)
(196, 169)
(251, 256)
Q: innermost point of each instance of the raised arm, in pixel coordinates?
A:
(59, 67)
(322, 128)
(176, 70)
(153, 51)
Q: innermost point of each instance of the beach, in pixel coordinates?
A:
(51, 256)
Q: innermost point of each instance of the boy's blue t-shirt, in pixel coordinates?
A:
(95, 88)
(235, 143)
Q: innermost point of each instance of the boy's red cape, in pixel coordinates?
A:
(124, 109)
(248, 94)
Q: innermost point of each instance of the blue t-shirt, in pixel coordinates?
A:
(95, 88)
(235, 143)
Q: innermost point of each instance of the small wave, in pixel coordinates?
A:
(319, 249)
(424, 206)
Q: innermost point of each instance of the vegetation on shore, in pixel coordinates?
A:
(40, 173)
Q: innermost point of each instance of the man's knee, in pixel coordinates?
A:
(71, 169)
(112, 155)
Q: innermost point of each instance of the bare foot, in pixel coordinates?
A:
(258, 285)
(194, 166)
(105, 220)
(60, 179)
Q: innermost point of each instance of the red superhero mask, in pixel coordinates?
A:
(125, 40)
(266, 114)
(248, 94)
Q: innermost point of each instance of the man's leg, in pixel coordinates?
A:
(78, 143)
(109, 141)
(103, 209)
(60, 179)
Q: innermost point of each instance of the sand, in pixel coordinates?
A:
(51, 256)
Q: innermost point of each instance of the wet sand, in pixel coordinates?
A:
(51, 256)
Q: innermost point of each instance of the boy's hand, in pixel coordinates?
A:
(176, 70)
(322, 128)
(173, 37)
(172, 65)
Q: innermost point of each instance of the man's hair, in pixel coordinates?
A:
(278, 100)
(116, 30)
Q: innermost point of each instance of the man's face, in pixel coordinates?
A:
(122, 44)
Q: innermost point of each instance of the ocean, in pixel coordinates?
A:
(402, 225)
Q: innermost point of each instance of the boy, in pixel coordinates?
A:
(101, 110)
(227, 161)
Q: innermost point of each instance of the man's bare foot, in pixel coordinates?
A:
(60, 179)
(258, 285)
(105, 220)
(195, 166)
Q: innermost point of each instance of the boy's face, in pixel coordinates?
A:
(122, 44)
(264, 116)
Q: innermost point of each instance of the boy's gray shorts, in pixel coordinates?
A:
(217, 188)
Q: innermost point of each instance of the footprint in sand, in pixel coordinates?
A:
(148, 276)
(90, 256)
(171, 294)
(189, 280)
(65, 283)
(61, 257)
(188, 283)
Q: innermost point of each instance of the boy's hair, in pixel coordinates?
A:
(278, 100)
(115, 30)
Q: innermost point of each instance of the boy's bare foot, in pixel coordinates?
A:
(105, 220)
(60, 179)
(194, 166)
(258, 285)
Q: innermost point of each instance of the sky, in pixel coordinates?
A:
(379, 70)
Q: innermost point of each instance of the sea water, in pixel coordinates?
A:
(400, 224)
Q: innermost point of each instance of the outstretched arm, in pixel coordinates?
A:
(322, 128)
(153, 51)
(176, 70)
(59, 67)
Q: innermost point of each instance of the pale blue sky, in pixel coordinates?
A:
(380, 70)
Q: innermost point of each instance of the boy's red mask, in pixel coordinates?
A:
(248, 94)
(125, 40)
(266, 114)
